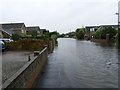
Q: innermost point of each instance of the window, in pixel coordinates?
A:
(22, 31)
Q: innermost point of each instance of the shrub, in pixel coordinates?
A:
(34, 34)
(15, 37)
(111, 31)
(103, 32)
(53, 36)
(97, 34)
(80, 33)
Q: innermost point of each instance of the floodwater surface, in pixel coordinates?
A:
(81, 64)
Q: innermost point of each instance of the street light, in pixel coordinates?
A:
(118, 19)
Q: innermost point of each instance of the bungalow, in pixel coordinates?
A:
(14, 28)
(33, 28)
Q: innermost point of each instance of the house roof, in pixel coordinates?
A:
(9, 27)
(91, 26)
(12, 25)
(42, 29)
(115, 26)
(100, 26)
(33, 28)
(5, 32)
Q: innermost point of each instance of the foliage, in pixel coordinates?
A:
(111, 31)
(34, 34)
(15, 37)
(119, 35)
(43, 37)
(80, 33)
(46, 32)
(53, 36)
(54, 33)
(26, 37)
(103, 32)
(61, 35)
(97, 34)
(32, 45)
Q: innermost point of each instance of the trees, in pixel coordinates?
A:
(80, 33)
(103, 32)
(54, 35)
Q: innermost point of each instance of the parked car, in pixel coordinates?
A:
(6, 40)
(2, 46)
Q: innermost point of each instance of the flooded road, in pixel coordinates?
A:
(12, 61)
(81, 64)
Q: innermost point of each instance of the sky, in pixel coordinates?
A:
(59, 15)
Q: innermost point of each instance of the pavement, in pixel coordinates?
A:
(12, 61)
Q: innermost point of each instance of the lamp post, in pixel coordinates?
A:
(118, 19)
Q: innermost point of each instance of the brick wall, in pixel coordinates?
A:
(32, 45)
(102, 40)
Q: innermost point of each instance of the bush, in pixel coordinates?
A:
(54, 36)
(15, 37)
(43, 37)
(111, 31)
(26, 37)
(103, 32)
(34, 34)
(80, 33)
(97, 34)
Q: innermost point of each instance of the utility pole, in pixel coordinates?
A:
(118, 19)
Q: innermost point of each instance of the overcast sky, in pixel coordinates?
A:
(59, 15)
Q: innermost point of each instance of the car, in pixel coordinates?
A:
(6, 40)
(2, 46)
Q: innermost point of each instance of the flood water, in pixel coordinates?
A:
(81, 64)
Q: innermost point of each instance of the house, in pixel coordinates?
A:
(33, 28)
(14, 28)
(106, 26)
(90, 29)
(42, 31)
(4, 34)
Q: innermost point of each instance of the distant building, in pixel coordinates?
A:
(91, 29)
(42, 30)
(13, 28)
(33, 28)
(71, 33)
(105, 26)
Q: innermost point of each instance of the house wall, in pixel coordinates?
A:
(21, 31)
(29, 32)
(17, 32)
(24, 30)
(1, 35)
